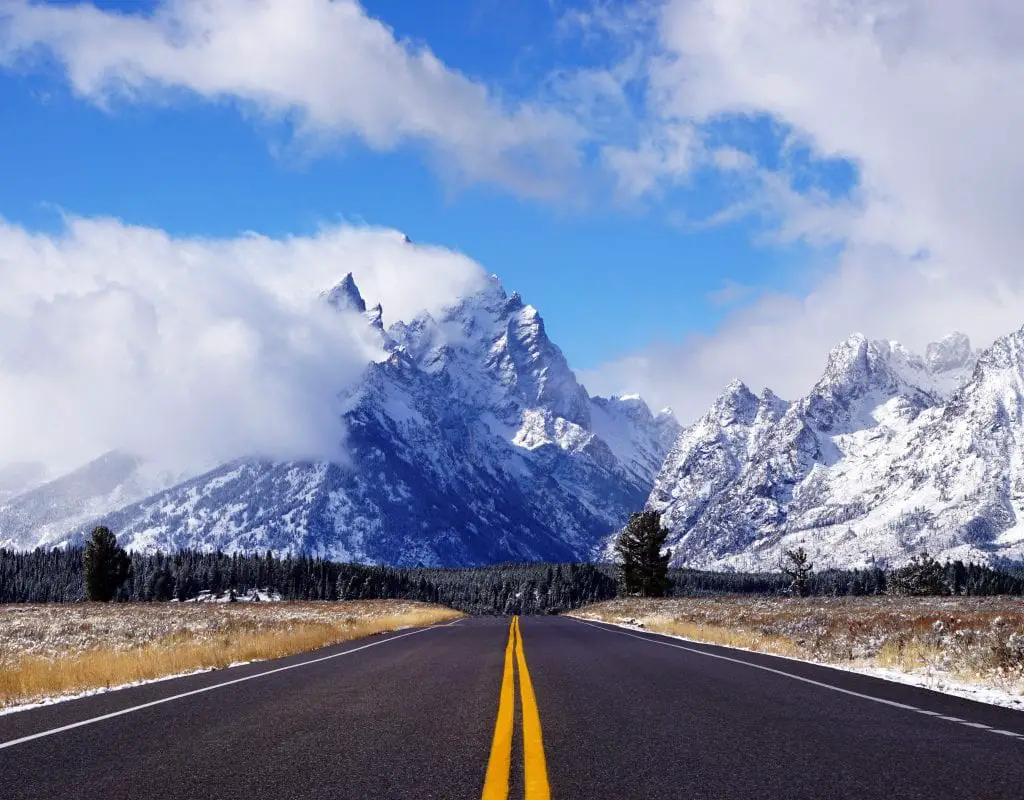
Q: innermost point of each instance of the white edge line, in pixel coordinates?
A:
(790, 675)
(161, 701)
(948, 692)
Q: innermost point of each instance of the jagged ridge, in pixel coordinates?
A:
(888, 455)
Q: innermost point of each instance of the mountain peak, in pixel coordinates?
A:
(345, 296)
(1004, 360)
(849, 357)
(736, 404)
(736, 386)
(949, 353)
(376, 317)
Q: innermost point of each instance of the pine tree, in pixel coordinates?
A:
(106, 566)
(643, 568)
(798, 570)
(922, 576)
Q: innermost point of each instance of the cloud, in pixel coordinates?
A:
(920, 99)
(730, 159)
(729, 293)
(194, 351)
(781, 340)
(917, 98)
(666, 155)
(324, 65)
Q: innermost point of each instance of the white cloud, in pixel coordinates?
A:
(192, 351)
(730, 159)
(924, 99)
(323, 64)
(729, 293)
(663, 156)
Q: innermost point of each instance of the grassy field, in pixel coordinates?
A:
(50, 650)
(977, 640)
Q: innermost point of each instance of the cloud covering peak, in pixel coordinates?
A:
(193, 351)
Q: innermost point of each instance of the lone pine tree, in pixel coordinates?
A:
(798, 569)
(643, 568)
(107, 566)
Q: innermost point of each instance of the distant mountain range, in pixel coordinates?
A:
(889, 455)
(472, 442)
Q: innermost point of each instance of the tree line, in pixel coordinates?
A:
(952, 578)
(104, 571)
(59, 576)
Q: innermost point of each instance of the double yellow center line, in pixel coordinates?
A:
(500, 764)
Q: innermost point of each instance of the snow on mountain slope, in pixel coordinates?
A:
(471, 442)
(19, 477)
(884, 458)
(44, 514)
(950, 363)
(638, 438)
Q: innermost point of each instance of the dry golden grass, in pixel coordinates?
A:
(974, 639)
(97, 656)
(728, 637)
(908, 656)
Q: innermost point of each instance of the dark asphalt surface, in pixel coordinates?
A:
(413, 717)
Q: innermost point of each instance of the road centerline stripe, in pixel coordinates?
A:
(161, 701)
(534, 761)
(499, 765)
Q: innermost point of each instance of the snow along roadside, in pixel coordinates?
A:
(935, 680)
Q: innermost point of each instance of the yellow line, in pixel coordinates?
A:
(500, 763)
(535, 765)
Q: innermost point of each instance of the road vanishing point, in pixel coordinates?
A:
(528, 708)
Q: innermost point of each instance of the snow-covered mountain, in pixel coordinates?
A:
(471, 442)
(19, 477)
(43, 512)
(888, 455)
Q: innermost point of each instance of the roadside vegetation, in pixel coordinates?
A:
(929, 622)
(159, 614)
(972, 639)
(51, 650)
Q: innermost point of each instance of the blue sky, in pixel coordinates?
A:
(609, 277)
(689, 190)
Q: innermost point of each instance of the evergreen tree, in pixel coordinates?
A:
(106, 566)
(161, 585)
(643, 568)
(798, 570)
(922, 576)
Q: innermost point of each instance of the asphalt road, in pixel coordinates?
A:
(595, 712)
